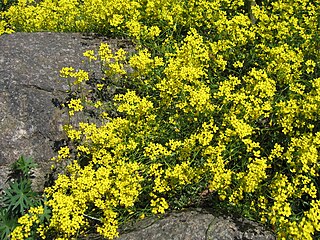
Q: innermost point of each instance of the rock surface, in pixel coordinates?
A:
(193, 224)
(31, 125)
(197, 224)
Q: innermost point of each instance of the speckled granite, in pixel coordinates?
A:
(30, 122)
(193, 224)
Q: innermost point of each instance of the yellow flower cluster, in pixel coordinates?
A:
(132, 104)
(217, 97)
(27, 222)
(87, 190)
(75, 106)
(159, 205)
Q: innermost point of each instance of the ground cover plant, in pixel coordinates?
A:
(18, 197)
(220, 96)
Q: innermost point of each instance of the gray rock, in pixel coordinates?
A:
(30, 123)
(193, 224)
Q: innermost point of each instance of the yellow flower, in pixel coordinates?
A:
(105, 53)
(116, 20)
(159, 205)
(67, 72)
(63, 153)
(90, 55)
(80, 76)
(75, 106)
(100, 86)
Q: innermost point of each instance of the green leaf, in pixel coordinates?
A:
(7, 223)
(22, 168)
(19, 197)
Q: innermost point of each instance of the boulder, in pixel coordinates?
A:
(193, 224)
(31, 90)
(31, 125)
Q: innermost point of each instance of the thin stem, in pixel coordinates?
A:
(93, 218)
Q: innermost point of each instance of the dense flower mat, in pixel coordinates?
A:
(220, 95)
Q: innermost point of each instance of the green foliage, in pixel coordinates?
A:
(18, 197)
(5, 4)
(7, 223)
(220, 96)
(22, 169)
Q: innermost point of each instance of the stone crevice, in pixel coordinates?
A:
(32, 86)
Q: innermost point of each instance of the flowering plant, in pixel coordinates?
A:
(220, 96)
